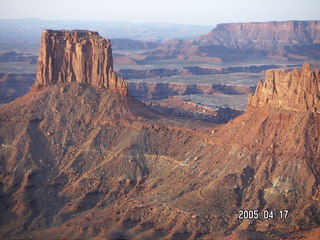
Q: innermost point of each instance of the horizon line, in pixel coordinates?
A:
(150, 23)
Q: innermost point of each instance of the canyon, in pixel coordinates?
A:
(81, 158)
(155, 70)
(129, 74)
(13, 85)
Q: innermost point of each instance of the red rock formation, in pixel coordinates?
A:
(230, 42)
(259, 34)
(69, 165)
(76, 56)
(298, 90)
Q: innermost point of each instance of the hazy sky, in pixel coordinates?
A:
(205, 12)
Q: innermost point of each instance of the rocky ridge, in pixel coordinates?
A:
(298, 90)
(234, 42)
(261, 34)
(76, 56)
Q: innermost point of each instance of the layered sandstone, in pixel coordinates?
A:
(261, 34)
(232, 42)
(76, 56)
(298, 90)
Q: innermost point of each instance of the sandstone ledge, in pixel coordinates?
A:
(298, 90)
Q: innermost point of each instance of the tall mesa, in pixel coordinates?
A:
(76, 56)
(263, 34)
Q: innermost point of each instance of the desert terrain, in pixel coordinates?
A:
(134, 139)
(191, 68)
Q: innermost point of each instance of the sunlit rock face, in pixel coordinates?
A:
(76, 56)
(297, 90)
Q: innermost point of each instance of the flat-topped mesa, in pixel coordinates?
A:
(298, 90)
(262, 34)
(76, 56)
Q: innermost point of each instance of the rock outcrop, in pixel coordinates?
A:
(76, 56)
(232, 42)
(298, 90)
(262, 34)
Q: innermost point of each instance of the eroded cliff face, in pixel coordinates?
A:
(261, 34)
(76, 56)
(298, 90)
(236, 42)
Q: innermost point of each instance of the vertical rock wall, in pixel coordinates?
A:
(298, 90)
(76, 56)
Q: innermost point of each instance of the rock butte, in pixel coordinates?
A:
(76, 56)
(298, 90)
